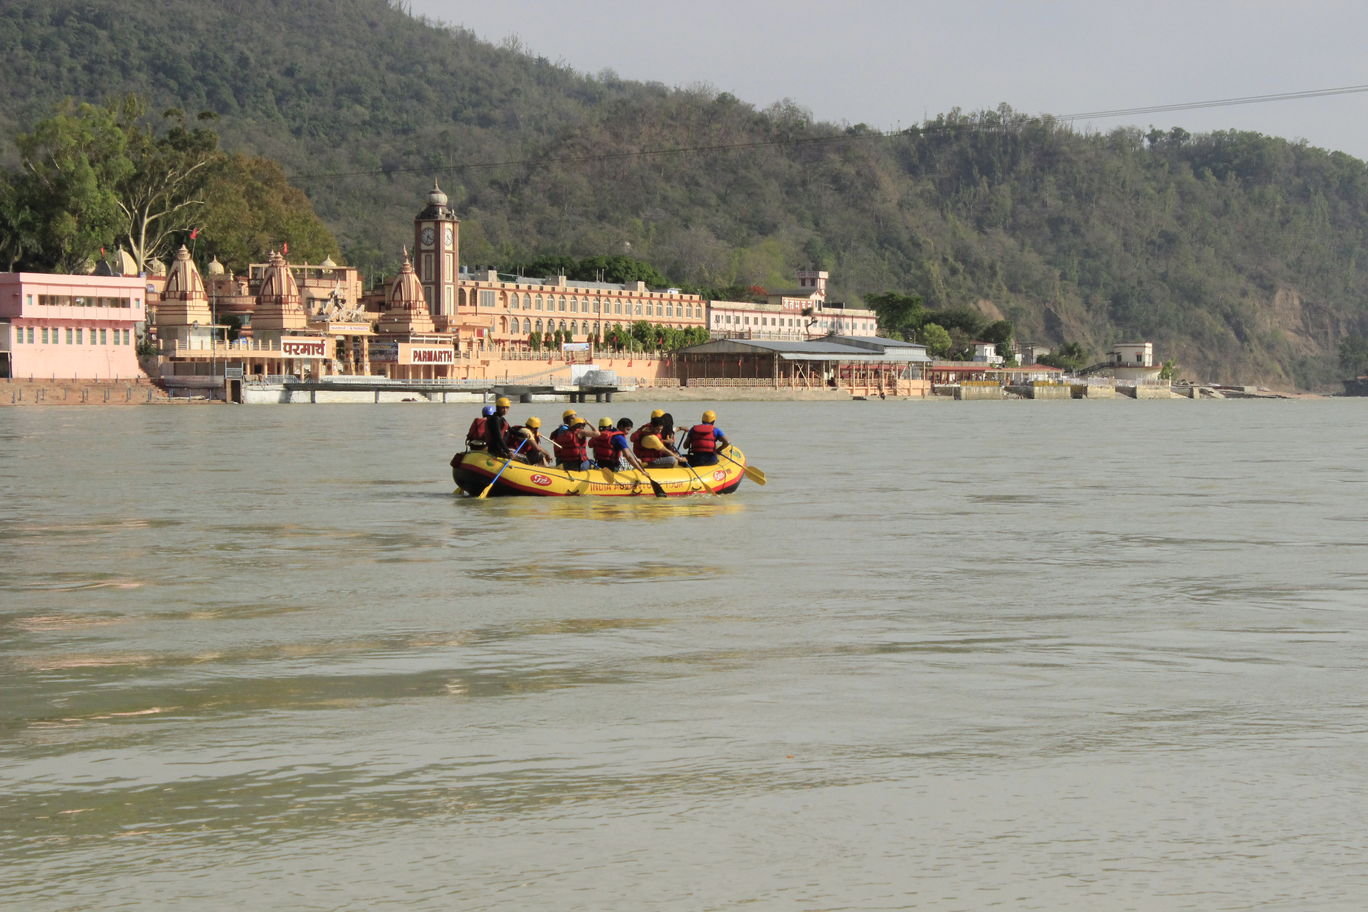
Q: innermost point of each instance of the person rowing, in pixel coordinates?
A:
(475, 437)
(611, 446)
(704, 440)
(571, 442)
(496, 429)
(651, 426)
(532, 453)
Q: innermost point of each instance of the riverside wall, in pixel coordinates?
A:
(136, 391)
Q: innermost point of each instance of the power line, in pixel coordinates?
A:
(840, 137)
(1216, 103)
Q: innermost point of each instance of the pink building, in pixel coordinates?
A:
(75, 326)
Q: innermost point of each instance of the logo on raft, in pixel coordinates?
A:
(541, 480)
(719, 475)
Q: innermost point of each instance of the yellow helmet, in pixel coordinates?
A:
(652, 442)
(709, 416)
(658, 413)
(502, 402)
(533, 422)
(568, 414)
(606, 423)
(576, 422)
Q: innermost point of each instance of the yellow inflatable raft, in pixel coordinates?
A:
(474, 470)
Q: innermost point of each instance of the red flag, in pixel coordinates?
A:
(285, 247)
(194, 233)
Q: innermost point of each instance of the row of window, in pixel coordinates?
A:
(82, 301)
(758, 321)
(786, 321)
(75, 335)
(574, 327)
(575, 304)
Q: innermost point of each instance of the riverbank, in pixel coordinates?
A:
(142, 391)
(133, 391)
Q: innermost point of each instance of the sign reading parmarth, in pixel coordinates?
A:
(302, 347)
(410, 353)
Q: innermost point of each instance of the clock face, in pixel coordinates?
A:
(426, 235)
(450, 235)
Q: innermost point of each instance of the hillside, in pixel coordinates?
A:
(1235, 252)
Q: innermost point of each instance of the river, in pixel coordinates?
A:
(954, 656)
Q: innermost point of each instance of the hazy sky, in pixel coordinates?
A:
(888, 63)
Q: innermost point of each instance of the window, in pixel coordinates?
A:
(69, 335)
(574, 305)
(103, 340)
(617, 307)
(19, 335)
(125, 334)
(539, 302)
(45, 335)
(487, 299)
(539, 322)
(116, 337)
(562, 304)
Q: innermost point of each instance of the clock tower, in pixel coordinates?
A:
(436, 243)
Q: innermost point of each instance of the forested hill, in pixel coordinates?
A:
(1236, 253)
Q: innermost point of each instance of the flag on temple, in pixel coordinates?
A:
(194, 233)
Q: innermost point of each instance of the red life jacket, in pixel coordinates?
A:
(702, 439)
(570, 447)
(477, 429)
(640, 435)
(604, 451)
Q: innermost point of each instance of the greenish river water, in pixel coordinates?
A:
(955, 656)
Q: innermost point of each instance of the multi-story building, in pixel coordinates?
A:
(83, 327)
(792, 315)
(498, 314)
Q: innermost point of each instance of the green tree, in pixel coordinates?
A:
(1071, 356)
(936, 338)
(250, 209)
(900, 315)
(1353, 354)
(1001, 334)
(164, 192)
(72, 164)
(18, 225)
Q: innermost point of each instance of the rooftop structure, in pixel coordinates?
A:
(860, 364)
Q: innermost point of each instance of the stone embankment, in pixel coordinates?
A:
(139, 391)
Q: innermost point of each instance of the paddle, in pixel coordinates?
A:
(655, 485)
(490, 486)
(750, 471)
(696, 475)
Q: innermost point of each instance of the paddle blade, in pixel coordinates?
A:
(655, 486)
(755, 475)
